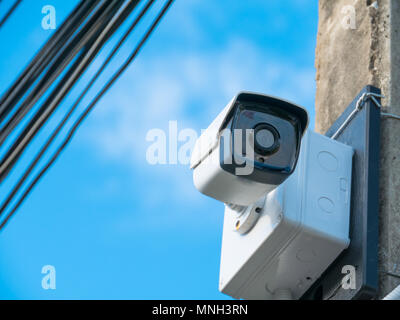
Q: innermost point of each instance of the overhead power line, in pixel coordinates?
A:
(9, 12)
(88, 32)
(74, 73)
(64, 86)
(73, 108)
(46, 54)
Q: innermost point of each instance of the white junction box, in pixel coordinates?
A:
(302, 228)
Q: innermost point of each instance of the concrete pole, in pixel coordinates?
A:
(358, 44)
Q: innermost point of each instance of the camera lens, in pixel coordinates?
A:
(266, 139)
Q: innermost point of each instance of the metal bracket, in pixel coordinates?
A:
(359, 127)
(359, 105)
(390, 115)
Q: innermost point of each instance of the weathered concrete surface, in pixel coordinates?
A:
(390, 166)
(346, 60)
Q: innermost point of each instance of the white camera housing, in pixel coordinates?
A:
(301, 230)
(287, 221)
(233, 184)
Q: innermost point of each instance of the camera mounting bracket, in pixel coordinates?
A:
(363, 134)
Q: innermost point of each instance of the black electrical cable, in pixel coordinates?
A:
(61, 91)
(131, 4)
(12, 155)
(95, 24)
(10, 12)
(47, 52)
(73, 108)
(59, 60)
(87, 111)
(43, 58)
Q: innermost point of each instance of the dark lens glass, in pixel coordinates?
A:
(266, 139)
(276, 136)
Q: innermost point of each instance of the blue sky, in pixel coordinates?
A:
(114, 226)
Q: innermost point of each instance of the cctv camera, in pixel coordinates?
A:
(250, 148)
(287, 193)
